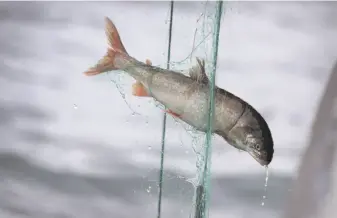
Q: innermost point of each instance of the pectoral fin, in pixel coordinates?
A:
(173, 114)
(138, 88)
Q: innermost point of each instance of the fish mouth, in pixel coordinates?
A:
(258, 157)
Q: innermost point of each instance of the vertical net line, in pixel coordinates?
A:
(161, 171)
(203, 188)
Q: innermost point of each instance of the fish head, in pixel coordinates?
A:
(257, 143)
(260, 148)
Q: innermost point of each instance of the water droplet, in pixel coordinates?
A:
(149, 147)
(265, 186)
(148, 190)
(181, 177)
(75, 106)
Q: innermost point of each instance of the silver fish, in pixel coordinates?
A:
(187, 98)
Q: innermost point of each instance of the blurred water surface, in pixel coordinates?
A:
(70, 146)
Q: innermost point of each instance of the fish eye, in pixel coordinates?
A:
(257, 147)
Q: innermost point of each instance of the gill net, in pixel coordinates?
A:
(205, 46)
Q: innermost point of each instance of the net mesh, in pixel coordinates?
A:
(204, 45)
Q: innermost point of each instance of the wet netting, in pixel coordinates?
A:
(205, 46)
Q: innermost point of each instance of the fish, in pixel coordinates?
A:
(186, 97)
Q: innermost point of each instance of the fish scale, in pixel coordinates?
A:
(235, 120)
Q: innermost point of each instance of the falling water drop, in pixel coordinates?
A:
(265, 186)
(148, 190)
(149, 147)
(75, 106)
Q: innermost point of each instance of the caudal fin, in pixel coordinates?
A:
(116, 47)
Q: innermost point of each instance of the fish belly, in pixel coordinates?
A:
(179, 93)
(182, 96)
(196, 110)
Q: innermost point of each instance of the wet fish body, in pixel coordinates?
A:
(187, 96)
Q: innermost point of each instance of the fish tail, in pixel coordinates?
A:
(116, 48)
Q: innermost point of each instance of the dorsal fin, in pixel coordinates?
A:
(197, 72)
